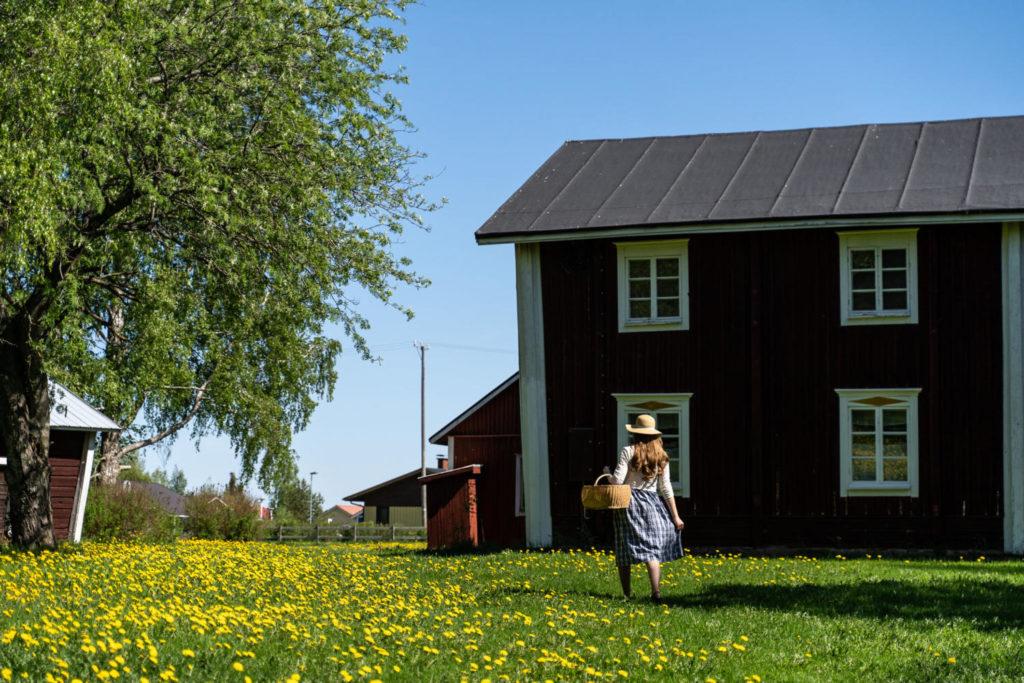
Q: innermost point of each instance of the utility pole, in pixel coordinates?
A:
(422, 347)
(311, 497)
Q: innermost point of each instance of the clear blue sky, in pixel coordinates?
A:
(496, 87)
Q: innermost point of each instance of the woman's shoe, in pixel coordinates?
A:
(656, 598)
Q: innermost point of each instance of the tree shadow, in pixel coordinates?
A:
(989, 605)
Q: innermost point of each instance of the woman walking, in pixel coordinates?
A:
(646, 531)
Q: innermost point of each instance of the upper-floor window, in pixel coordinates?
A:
(878, 442)
(878, 277)
(653, 286)
(671, 413)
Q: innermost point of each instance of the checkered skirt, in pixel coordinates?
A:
(644, 531)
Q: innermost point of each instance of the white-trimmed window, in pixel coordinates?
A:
(878, 442)
(878, 277)
(653, 286)
(672, 414)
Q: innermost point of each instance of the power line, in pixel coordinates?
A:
(393, 346)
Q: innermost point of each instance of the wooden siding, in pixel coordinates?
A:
(763, 358)
(452, 520)
(65, 468)
(496, 487)
(498, 416)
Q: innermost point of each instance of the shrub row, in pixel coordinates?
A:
(114, 512)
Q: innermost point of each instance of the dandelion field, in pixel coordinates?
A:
(218, 611)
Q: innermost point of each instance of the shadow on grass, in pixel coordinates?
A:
(989, 605)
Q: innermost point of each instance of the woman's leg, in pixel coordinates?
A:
(624, 578)
(654, 574)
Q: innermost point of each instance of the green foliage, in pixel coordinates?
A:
(190, 193)
(113, 512)
(290, 502)
(135, 471)
(175, 480)
(227, 515)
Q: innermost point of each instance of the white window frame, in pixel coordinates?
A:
(877, 239)
(676, 403)
(850, 399)
(520, 499)
(661, 249)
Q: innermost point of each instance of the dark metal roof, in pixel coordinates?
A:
(170, 500)
(408, 476)
(942, 167)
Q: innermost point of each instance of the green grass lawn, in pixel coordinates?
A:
(227, 611)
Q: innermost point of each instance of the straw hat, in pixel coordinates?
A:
(644, 425)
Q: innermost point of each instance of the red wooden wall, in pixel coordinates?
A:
(498, 416)
(496, 488)
(452, 520)
(65, 467)
(763, 357)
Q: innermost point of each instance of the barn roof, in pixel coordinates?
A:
(71, 412)
(439, 437)
(591, 187)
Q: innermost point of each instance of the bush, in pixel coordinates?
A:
(113, 512)
(229, 516)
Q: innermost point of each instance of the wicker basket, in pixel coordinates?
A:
(606, 496)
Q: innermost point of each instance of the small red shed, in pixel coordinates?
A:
(74, 425)
(452, 517)
(484, 455)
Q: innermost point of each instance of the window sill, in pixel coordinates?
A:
(654, 326)
(881, 489)
(879, 319)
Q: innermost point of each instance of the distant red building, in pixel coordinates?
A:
(479, 500)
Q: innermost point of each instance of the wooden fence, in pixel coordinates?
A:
(324, 534)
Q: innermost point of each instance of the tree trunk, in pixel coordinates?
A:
(110, 444)
(25, 437)
(110, 457)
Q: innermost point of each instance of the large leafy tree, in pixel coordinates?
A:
(190, 191)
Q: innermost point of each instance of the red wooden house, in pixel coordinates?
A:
(74, 425)
(479, 499)
(827, 323)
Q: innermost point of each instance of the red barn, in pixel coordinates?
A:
(480, 499)
(827, 323)
(74, 425)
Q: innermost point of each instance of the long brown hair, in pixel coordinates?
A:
(649, 456)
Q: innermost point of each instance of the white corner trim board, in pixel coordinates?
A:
(1013, 390)
(533, 396)
(82, 493)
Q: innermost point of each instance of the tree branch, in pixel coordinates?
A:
(163, 434)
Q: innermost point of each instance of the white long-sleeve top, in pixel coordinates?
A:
(624, 474)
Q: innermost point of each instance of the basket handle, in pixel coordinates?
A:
(606, 474)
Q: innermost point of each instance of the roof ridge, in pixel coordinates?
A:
(790, 130)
